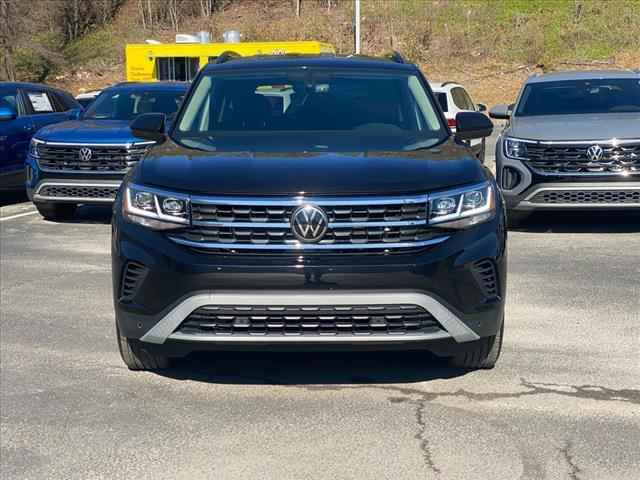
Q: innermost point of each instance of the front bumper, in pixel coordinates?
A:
(70, 187)
(580, 192)
(177, 280)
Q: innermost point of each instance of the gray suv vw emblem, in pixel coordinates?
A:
(85, 154)
(595, 152)
(309, 223)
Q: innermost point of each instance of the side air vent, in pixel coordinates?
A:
(485, 273)
(132, 278)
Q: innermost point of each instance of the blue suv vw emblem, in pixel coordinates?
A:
(595, 152)
(85, 154)
(309, 223)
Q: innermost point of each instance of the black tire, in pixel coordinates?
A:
(136, 357)
(516, 218)
(57, 211)
(484, 355)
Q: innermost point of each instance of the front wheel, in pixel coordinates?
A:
(57, 211)
(136, 357)
(484, 355)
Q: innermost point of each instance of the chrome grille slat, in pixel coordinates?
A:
(548, 158)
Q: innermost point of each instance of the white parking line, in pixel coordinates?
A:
(18, 215)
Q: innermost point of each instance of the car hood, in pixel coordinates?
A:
(327, 173)
(88, 131)
(576, 127)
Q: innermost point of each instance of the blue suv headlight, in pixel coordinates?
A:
(33, 147)
(462, 207)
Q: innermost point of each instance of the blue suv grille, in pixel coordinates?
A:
(89, 158)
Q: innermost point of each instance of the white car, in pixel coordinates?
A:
(86, 99)
(454, 98)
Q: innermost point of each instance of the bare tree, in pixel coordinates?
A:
(8, 15)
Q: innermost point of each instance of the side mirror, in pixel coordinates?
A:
(481, 107)
(149, 126)
(501, 112)
(7, 113)
(471, 125)
(75, 114)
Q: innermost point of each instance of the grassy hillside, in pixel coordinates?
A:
(491, 45)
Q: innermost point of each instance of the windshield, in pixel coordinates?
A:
(580, 97)
(120, 104)
(309, 108)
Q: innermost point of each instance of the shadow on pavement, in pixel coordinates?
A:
(311, 368)
(581, 222)
(88, 214)
(12, 197)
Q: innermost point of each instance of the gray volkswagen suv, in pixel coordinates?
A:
(572, 141)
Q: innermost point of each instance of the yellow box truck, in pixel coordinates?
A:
(148, 62)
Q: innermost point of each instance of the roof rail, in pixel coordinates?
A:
(396, 57)
(226, 56)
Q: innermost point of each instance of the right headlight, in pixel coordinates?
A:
(462, 207)
(155, 209)
(515, 148)
(33, 147)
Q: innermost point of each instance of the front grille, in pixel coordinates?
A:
(485, 274)
(335, 213)
(79, 192)
(132, 278)
(361, 223)
(571, 159)
(605, 197)
(113, 158)
(341, 320)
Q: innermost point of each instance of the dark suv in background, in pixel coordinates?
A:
(84, 161)
(309, 202)
(572, 142)
(24, 109)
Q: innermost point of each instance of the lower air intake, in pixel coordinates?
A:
(132, 278)
(485, 273)
(309, 320)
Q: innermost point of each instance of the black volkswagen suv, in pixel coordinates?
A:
(309, 202)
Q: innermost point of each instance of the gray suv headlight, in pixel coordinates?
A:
(462, 207)
(515, 148)
(155, 209)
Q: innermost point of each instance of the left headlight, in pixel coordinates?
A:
(462, 207)
(34, 146)
(155, 209)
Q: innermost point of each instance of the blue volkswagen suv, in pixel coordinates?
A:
(84, 161)
(25, 108)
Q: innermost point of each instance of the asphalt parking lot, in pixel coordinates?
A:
(563, 402)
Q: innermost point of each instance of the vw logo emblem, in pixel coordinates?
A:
(309, 223)
(595, 152)
(85, 154)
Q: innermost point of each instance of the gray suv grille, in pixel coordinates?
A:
(572, 159)
(587, 197)
(106, 158)
(309, 320)
(361, 223)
